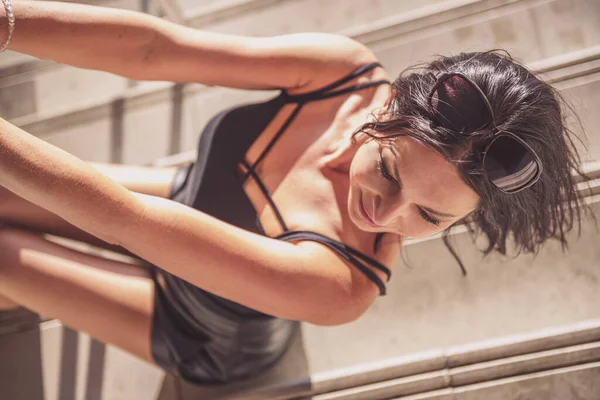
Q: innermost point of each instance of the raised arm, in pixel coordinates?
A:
(303, 281)
(143, 47)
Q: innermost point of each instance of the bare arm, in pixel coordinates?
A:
(80, 35)
(144, 47)
(302, 281)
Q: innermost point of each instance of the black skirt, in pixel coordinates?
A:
(204, 338)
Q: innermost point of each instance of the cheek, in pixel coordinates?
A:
(412, 225)
(425, 230)
(360, 181)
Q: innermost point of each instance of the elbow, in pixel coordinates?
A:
(330, 320)
(341, 302)
(333, 317)
(340, 311)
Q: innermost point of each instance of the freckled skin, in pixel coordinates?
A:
(427, 180)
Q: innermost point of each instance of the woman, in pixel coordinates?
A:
(293, 208)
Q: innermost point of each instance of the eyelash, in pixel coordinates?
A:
(386, 174)
(428, 218)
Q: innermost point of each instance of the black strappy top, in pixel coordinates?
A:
(213, 184)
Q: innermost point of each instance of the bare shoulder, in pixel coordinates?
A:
(387, 253)
(363, 290)
(332, 56)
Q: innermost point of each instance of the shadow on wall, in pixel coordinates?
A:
(22, 367)
(68, 367)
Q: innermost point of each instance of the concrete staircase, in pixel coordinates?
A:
(99, 116)
(523, 328)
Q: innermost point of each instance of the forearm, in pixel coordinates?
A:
(61, 183)
(84, 36)
(305, 282)
(301, 282)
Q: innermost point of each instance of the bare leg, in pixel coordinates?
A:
(18, 212)
(110, 300)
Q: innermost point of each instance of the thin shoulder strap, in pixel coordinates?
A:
(325, 92)
(267, 195)
(319, 94)
(346, 252)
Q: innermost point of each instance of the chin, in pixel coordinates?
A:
(364, 225)
(358, 221)
(363, 222)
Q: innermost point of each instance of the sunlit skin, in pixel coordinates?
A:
(396, 185)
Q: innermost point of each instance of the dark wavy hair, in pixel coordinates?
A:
(524, 105)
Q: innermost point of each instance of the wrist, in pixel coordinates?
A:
(8, 17)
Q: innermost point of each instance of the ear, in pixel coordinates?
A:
(381, 111)
(391, 96)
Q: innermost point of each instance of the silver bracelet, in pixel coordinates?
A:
(11, 24)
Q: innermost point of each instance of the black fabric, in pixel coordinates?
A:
(179, 180)
(205, 338)
(345, 251)
(197, 337)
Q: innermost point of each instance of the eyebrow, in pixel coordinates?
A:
(431, 210)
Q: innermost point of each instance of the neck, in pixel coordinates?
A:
(338, 155)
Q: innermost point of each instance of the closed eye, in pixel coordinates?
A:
(428, 217)
(385, 172)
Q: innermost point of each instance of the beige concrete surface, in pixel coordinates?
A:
(115, 126)
(142, 128)
(581, 382)
(467, 25)
(268, 17)
(499, 297)
(55, 88)
(519, 27)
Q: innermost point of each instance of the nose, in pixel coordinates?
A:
(386, 211)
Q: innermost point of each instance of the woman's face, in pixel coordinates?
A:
(406, 187)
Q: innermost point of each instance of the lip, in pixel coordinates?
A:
(365, 215)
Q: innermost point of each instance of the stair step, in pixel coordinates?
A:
(464, 25)
(260, 17)
(408, 388)
(141, 128)
(558, 70)
(561, 71)
(581, 382)
(461, 366)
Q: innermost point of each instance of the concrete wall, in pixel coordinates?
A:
(72, 108)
